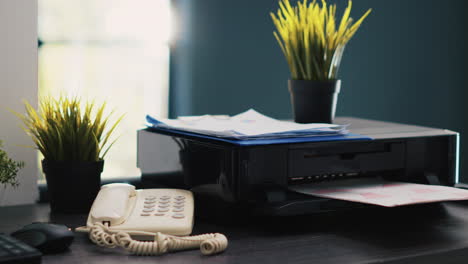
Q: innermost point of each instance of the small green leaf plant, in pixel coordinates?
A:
(311, 38)
(66, 129)
(8, 169)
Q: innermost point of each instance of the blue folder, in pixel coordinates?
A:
(256, 142)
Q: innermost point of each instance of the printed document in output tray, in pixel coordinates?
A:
(380, 192)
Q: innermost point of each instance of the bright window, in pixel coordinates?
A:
(115, 51)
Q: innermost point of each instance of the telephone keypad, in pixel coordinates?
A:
(178, 215)
(166, 207)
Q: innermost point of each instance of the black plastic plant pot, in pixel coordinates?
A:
(72, 186)
(314, 101)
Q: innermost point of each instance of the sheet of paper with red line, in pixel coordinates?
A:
(380, 192)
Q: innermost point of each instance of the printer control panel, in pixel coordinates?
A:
(345, 160)
(323, 177)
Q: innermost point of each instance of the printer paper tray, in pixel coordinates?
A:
(380, 192)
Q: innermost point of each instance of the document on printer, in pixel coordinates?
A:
(247, 125)
(381, 192)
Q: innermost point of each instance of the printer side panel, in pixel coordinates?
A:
(241, 174)
(432, 160)
(262, 168)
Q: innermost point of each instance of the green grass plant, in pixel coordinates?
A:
(311, 39)
(8, 169)
(67, 129)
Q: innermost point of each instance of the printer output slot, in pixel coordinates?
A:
(344, 161)
(348, 152)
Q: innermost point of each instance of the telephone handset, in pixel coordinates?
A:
(121, 214)
(113, 204)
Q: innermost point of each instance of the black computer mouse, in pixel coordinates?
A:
(48, 238)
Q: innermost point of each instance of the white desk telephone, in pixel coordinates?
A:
(120, 214)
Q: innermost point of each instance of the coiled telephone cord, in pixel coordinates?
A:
(209, 244)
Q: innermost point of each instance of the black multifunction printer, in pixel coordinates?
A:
(258, 177)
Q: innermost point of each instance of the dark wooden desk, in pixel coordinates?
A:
(420, 234)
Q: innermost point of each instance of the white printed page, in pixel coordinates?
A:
(249, 124)
(381, 192)
(252, 123)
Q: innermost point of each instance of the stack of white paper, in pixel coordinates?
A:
(246, 125)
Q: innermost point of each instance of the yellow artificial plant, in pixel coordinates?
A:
(311, 39)
(67, 129)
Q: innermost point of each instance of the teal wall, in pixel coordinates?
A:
(407, 63)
